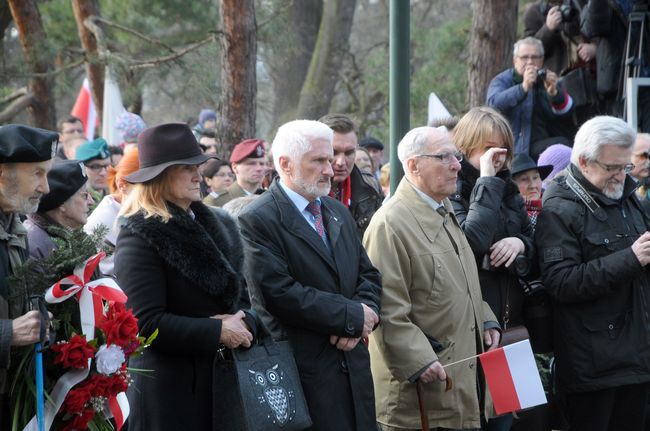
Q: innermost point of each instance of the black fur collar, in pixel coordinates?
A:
(208, 251)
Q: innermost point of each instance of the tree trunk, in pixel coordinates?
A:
(32, 37)
(493, 33)
(94, 69)
(238, 76)
(305, 17)
(332, 43)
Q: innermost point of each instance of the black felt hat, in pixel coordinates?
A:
(523, 162)
(165, 145)
(370, 142)
(25, 144)
(65, 179)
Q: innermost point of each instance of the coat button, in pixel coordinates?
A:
(611, 326)
(471, 366)
(344, 366)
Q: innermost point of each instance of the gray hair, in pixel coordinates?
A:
(292, 139)
(599, 131)
(415, 141)
(236, 206)
(528, 41)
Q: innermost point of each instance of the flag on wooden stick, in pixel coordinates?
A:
(512, 377)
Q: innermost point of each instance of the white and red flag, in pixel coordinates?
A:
(84, 108)
(512, 377)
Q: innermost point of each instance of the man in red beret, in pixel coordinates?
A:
(249, 165)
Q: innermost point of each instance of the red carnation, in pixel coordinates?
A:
(80, 422)
(118, 383)
(120, 326)
(74, 353)
(76, 399)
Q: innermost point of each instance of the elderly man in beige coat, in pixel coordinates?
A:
(432, 312)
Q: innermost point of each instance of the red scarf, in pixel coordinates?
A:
(344, 191)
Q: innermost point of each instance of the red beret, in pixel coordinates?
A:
(253, 148)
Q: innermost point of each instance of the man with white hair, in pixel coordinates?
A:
(594, 246)
(311, 280)
(532, 100)
(432, 311)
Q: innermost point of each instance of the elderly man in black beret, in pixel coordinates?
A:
(66, 205)
(25, 159)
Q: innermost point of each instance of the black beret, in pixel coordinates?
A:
(370, 142)
(25, 144)
(65, 179)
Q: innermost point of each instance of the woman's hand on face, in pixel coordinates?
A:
(492, 161)
(234, 331)
(505, 251)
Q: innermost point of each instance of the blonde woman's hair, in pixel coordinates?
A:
(148, 198)
(477, 127)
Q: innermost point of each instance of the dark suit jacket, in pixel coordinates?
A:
(307, 293)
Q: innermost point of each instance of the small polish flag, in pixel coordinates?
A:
(119, 407)
(512, 377)
(84, 108)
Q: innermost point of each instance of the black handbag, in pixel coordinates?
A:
(258, 388)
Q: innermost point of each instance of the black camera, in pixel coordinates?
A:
(541, 75)
(520, 267)
(568, 11)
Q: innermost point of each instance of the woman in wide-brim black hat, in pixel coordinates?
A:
(180, 264)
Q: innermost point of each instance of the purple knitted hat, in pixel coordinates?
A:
(131, 125)
(558, 156)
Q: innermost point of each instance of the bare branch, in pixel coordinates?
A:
(16, 107)
(13, 96)
(152, 62)
(133, 32)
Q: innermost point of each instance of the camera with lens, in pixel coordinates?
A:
(541, 75)
(568, 11)
(520, 267)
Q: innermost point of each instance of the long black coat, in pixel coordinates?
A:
(488, 210)
(307, 293)
(176, 275)
(600, 290)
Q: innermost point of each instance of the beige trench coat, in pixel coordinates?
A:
(428, 290)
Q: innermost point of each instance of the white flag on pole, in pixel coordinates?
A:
(113, 107)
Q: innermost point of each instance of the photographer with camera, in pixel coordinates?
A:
(531, 98)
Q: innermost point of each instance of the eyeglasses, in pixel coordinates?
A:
(445, 158)
(527, 58)
(616, 168)
(84, 195)
(96, 167)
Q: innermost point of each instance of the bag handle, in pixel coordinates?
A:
(261, 333)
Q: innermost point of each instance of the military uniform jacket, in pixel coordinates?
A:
(232, 192)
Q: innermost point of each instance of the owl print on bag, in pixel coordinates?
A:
(276, 392)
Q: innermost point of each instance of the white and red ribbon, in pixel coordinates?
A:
(90, 295)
